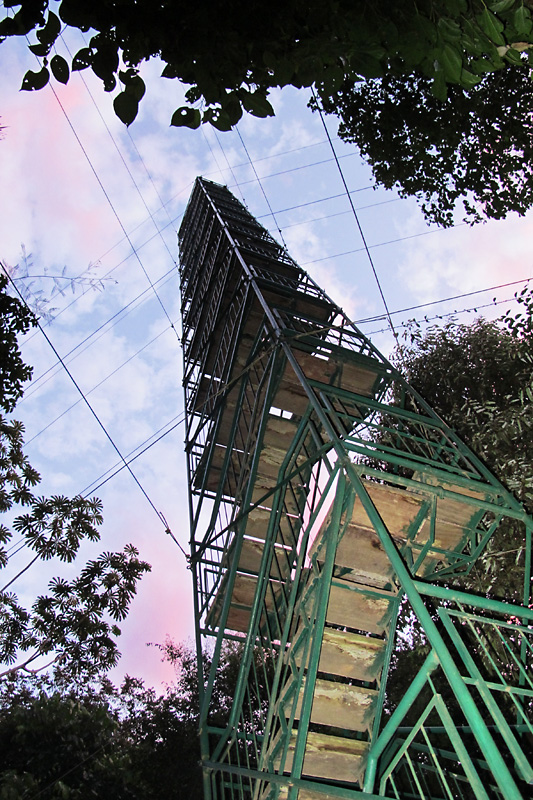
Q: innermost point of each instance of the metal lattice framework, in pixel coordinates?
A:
(324, 493)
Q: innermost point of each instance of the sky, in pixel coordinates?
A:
(86, 196)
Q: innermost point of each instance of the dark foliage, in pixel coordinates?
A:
(75, 621)
(475, 146)
(232, 54)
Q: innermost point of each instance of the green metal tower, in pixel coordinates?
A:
(327, 501)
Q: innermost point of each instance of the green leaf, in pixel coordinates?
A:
(307, 72)
(218, 119)
(135, 86)
(468, 80)
(60, 69)
(501, 5)
(368, 66)
(481, 65)
(51, 30)
(283, 71)
(74, 14)
(514, 57)
(232, 108)
(39, 49)
(451, 60)
(186, 117)
(449, 29)
(491, 26)
(82, 59)
(332, 79)
(456, 7)
(35, 80)
(522, 21)
(256, 103)
(126, 107)
(105, 62)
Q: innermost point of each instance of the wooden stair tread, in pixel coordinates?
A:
(360, 555)
(336, 371)
(291, 396)
(288, 527)
(330, 757)
(279, 432)
(350, 655)
(304, 304)
(242, 598)
(455, 518)
(252, 553)
(339, 705)
(303, 794)
(355, 606)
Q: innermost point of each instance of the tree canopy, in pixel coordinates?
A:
(59, 736)
(75, 622)
(475, 145)
(479, 378)
(435, 93)
(232, 54)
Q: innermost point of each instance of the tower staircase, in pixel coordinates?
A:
(335, 516)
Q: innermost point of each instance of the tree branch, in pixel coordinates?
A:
(22, 571)
(24, 666)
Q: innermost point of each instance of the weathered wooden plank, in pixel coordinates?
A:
(349, 654)
(360, 557)
(330, 757)
(264, 484)
(455, 518)
(251, 556)
(338, 372)
(397, 508)
(352, 608)
(242, 599)
(287, 530)
(279, 432)
(304, 304)
(339, 705)
(352, 605)
(303, 794)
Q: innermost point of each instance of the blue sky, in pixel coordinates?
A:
(78, 189)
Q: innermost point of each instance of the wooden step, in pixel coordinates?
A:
(330, 757)
(264, 484)
(251, 556)
(350, 655)
(227, 419)
(338, 705)
(242, 599)
(214, 475)
(303, 794)
(332, 371)
(360, 556)
(278, 437)
(455, 518)
(271, 460)
(279, 432)
(302, 304)
(341, 372)
(354, 606)
(287, 531)
(266, 478)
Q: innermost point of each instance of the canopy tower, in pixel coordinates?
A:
(326, 497)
